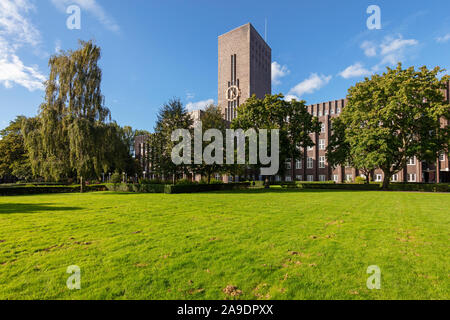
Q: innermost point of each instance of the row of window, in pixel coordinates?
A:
(322, 159)
(322, 145)
(412, 161)
(320, 113)
(412, 177)
(309, 163)
(309, 178)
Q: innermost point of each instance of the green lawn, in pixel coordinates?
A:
(270, 245)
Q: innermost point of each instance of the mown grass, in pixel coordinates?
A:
(281, 244)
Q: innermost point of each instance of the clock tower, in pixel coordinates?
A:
(244, 68)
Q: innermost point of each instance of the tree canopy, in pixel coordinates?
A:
(73, 136)
(391, 118)
(14, 162)
(172, 115)
(296, 125)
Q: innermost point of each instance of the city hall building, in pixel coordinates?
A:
(245, 61)
(244, 67)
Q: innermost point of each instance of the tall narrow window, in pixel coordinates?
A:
(322, 162)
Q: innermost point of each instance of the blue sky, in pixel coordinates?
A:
(156, 50)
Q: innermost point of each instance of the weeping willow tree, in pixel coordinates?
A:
(69, 137)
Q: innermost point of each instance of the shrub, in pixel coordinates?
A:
(346, 186)
(360, 180)
(150, 181)
(137, 188)
(212, 181)
(39, 189)
(185, 182)
(422, 187)
(179, 188)
(116, 178)
(205, 187)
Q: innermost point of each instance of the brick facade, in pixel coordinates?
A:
(245, 63)
(416, 171)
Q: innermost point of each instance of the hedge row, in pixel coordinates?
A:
(138, 188)
(175, 189)
(346, 186)
(207, 187)
(33, 189)
(299, 183)
(423, 187)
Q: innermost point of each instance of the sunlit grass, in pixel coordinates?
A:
(270, 245)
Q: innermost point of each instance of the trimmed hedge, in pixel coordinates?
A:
(175, 189)
(298, 183)
(422, 187)
(345, 186)
(34, 189)
(138, 188)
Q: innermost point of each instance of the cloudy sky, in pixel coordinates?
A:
(157, 50)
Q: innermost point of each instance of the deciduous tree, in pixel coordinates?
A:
(395, 116)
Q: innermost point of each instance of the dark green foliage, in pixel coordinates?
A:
(73, 136)
(179, 188)
(422, 187)
(172, 115)
(138, 188)
(14, 161)
(291, 117)
(206, 187)
(391, 118)
(116, 178)
(211, 118)
(40, 189)
(345, 186)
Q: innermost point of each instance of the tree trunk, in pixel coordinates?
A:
(386, 181)
(293, 164)
(209, 178)
(81, 185)
(266, 183)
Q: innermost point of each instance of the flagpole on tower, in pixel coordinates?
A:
(265, 34)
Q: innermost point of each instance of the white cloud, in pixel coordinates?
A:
(443, 39)
(369, 48)
(291, 97)
(14, 23)
(392, 45)
(16, 30)
(278, 72)
(354, 71)
(14, 71)
(200, 105)
(313, 83)
(93, 8)
(392, 50)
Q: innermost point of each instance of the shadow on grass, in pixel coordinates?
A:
(12, 208)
